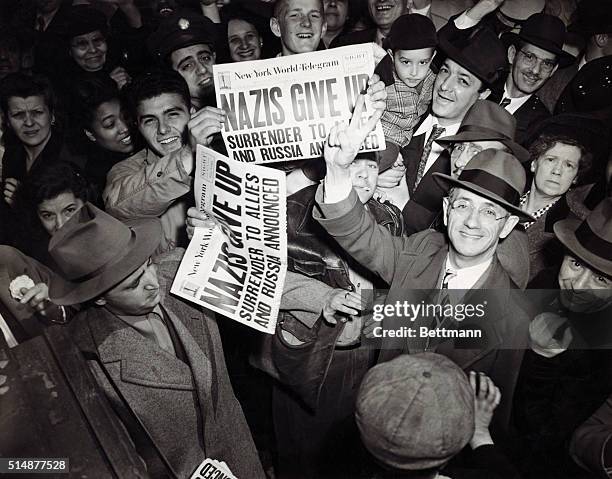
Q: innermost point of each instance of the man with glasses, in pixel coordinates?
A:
(534, 53)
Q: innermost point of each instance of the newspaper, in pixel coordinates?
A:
(213, 469)
(238, 267)
(282, 109)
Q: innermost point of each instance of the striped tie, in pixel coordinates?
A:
(436, 132)
(505, 102)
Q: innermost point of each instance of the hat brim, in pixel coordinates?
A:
(446, 182)
(564, 59)
(145, 240)
(565, 230)
(517, 150)
(456, 55)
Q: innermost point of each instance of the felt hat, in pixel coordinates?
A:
(591, 17)
(79, 20)
(95, 251)
(487, 121)
(521, 10)
(411, 32)
(495, 175)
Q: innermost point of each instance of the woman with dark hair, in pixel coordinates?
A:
(32, 138)
(558, 162)
(104, 136)
(49, 198)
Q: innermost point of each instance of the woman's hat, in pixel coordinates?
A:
(79, 20)
(495, 175)
(544, 31)
(95, 251)
(591, 239)
(487, 121)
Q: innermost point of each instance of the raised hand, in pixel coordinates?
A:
(341, 301)
(204, 124)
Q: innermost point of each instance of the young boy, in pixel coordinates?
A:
(411, 45)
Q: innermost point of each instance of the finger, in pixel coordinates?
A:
(484, 385)
(12, 182)
(210, 111)
(371, 123)
(358, 111)
(472, 378)
(496, 396)
(28, 294)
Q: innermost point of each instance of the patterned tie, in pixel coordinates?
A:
(40, 24)
(436, 132)
(505, 102)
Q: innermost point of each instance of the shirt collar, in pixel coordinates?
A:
(467, 277)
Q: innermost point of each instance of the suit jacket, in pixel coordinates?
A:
(416, 262)
(552, 89)
(189, 410)
(527, 117)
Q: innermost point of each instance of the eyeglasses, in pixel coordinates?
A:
(487, 214)
(531, 60)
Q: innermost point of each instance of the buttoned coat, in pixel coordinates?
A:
(532, 112)
(189, 410)
(413, 266)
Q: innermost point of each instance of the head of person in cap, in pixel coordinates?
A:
(482, 206)
(585, 277)
(412, 43)
(593, 21)
(535, 53)
(471, 69)
(415, 412)
(185, 41)
(300, 25)
(486, 126)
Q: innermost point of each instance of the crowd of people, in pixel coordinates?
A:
(493, 189)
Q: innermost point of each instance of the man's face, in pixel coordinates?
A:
(583, 290)
(531, 67)
(475, 225)
(54, 212)
(243, 40)
(464, 151)
(385, 12)
(195, 65)
(300, 26)
(10, 57)
(364, 175)
(136, 295)
(555, 170)
(89, 51)
(455, 91)
(336, 13)
(412, 66)
(162, 121)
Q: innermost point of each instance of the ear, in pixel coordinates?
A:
(511, 54)
(390, 52)
(275, 27)
(89, 136)
(511, 222)
(484, 94)
(532, 168)
(445, 209)
(100, 301)
(601, 39)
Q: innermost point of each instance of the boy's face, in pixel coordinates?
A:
(364, 175)
(300, 26)
(412, 66)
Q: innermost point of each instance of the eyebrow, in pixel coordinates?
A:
(136, 280)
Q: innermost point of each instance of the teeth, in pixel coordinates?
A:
(383, 7)
(127, 140)
(304, 35)
(168, 140)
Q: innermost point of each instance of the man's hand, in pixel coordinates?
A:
(204, 124)
(37, 298)
(197, 219)
(341, 301)
(121, 77)
(392, 177)
(486, 398)
(11, 185)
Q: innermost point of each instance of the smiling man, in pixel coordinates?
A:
(153, 182)
(300, 25)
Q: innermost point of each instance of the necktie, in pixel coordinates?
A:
(40, 24)
(160, 332)
(436, 132)
(505, 102)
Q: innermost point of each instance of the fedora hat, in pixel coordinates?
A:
(495, 175)
(487, 121)
(95, 251)
(182, 29)
(543, 31)
(521, 10)
(481, 53)
(590, 240)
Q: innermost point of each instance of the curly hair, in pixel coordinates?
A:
(23, 86)
(547, 141)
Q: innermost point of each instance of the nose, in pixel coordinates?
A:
(59, 222)
(305, 21)
(122, 127)
(202, 67)
(473, 218)
(162, 127)
(29, 120)
(446, 84)
(243, 44)
(150, 278)
(535, 68)
(91, 47)
(556, 169)
(582, 280)
(462, 160)
(414, 69)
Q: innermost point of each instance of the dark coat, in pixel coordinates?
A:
(189, 410)
(551, 91)
(532, 112)
(417, 262)
(354, 38)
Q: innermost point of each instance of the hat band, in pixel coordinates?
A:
(482, 129)
(105, 266)
(491, 183)
(595, 244)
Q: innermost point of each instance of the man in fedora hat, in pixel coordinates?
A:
(480, 210)
(154, 356)
(534, 53)
(565, 375)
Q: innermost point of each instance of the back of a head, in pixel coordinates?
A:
(415, 412)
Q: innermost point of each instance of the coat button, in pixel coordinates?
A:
(159, 173)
